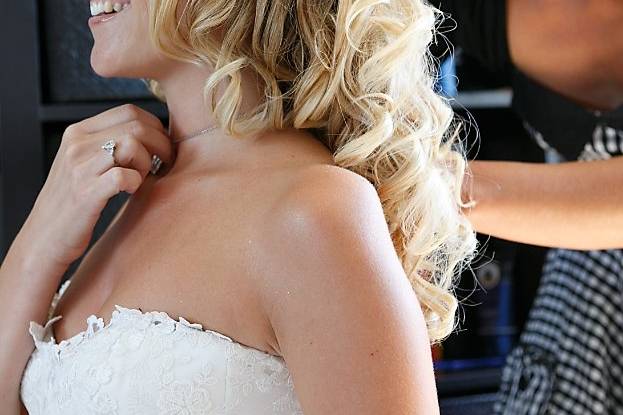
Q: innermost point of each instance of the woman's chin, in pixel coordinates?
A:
(103, 66)
(111, 67)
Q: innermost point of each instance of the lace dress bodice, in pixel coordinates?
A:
(149, 363)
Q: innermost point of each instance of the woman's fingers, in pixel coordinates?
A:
(116, 180)
(136, 142)
(118, 115)
(83, 177)
(129, 152)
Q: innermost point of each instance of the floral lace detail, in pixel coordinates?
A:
(149, 363)
(57, 296)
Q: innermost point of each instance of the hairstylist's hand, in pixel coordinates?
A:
(83, 177)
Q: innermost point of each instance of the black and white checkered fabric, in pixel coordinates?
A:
(569, 359)
(570, 356)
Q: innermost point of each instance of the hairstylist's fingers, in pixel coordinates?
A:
(115, 116)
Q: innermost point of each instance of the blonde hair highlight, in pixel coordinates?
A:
(359, 75)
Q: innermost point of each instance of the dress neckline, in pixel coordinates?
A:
(43, 335)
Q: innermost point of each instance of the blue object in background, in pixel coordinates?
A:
(447, 83)
(505, 321)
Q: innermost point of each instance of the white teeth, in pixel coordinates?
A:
(96, 8)
(108, 6)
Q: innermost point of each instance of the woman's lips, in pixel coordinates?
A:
(101, 18)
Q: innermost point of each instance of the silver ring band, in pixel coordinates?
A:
(110, 147)
(155, 164)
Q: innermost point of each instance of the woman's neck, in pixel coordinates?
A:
(188, 114)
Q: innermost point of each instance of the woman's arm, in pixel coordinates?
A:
(58, 229)
(573, 205)
(28, 280)
(344, 315)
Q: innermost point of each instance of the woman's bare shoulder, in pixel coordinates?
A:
(326, 184)
(328, 213)
(341, 308)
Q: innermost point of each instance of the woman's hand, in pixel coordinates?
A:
(83, 177)
(60, 225)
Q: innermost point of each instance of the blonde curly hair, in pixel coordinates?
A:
(358, 74)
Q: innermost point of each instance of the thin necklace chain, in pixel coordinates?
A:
(197, 134)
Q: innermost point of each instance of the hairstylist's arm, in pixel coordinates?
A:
(571, 205)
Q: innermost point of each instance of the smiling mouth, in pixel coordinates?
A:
(108, 7)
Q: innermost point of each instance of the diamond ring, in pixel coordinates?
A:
(110, 147)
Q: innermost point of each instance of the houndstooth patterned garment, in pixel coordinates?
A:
(569, 359)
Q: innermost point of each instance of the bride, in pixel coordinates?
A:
(293, 253)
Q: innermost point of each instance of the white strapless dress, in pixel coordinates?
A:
(148, 363)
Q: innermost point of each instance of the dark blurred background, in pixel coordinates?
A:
(47, 83)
